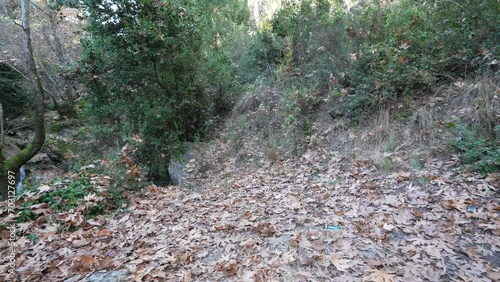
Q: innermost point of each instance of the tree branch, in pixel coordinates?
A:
(24, 76)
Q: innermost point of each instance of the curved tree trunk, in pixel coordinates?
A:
(3, 184)
(12, 165)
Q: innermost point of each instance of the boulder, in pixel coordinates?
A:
(177, 167)
(10, 147)
(43, 168)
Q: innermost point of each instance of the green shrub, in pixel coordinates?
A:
(477, 153)
(163, 71)
(314, 42)
(32, 237)
(69, 193)
(68, 196)
(416, 45)
(388, 164)
(380, 53)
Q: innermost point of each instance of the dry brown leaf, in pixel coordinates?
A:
(104, 233)
(229, 269)
(340, 263)
(318, 246)
(133, 171)
(106, 263)
(86, 262)
(247, 276)
(380, 276)
(44, 188)
(186, 277)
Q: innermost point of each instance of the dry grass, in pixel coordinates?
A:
(258, 126)
(475, 102)
(423, 118)
(379, 137)
(426, 133)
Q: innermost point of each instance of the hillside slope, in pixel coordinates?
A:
(323, 216)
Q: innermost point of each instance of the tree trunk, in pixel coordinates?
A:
(1, 128)
(14, 163)
(4, 186)
(59, 50)
(3, 179)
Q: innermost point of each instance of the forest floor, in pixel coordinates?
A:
(251, 214)
(318, 217)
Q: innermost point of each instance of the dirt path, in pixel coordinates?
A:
(315, 218)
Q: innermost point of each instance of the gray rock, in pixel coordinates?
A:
(41, 159)
(67, 132)
(177, 166)
(74, 278)
(109, 276)
(103, 276)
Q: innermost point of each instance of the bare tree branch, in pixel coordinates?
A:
(24, 76)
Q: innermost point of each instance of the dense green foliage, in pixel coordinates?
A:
(160, 69)
(14, 99)
(378, 53)
(477, 153)
(414, 46)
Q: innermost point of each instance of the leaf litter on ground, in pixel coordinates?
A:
(271, 223)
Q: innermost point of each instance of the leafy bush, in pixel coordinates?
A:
(314, 41)
(377, 53)
(415, 45)
(84, 193)
(477, 153)
(160, 69)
